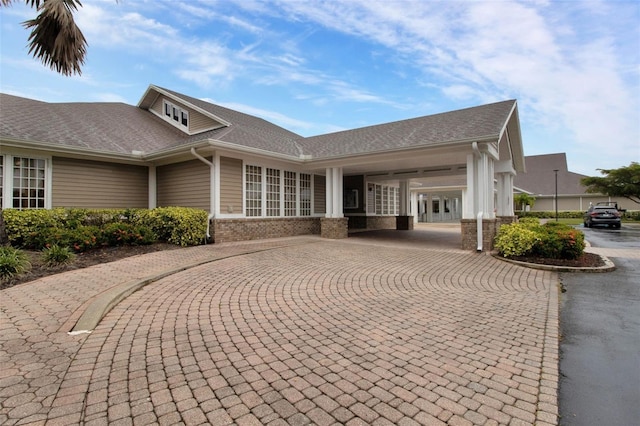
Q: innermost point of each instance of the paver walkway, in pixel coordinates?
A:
(288, 331)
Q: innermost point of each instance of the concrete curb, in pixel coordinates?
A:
(609, 266)
(105, 301)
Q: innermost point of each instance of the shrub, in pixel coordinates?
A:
(182, 226)
(559, 241)
(12, 262)
(552, 240)
(120, 234)
(515, 240)
(56, 255)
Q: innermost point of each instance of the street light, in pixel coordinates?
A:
(556, 172)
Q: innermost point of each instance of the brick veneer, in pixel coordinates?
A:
(334, 228)
(489, 230)
(372, 222)
(225, 230)
(404, 223)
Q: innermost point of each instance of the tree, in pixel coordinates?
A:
(523, 200)
(622, 182)
(55, 38)
(57, 41)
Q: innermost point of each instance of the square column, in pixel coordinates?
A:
(334, 225)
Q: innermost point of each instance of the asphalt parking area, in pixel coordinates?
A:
(355, 331)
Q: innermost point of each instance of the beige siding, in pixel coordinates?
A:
(184, 184)
(200, 122)
(197, 122)
(319, 194)
(230, 185)
(93, 184)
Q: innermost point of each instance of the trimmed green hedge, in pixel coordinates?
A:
(85, 229)
(573, 214)
(528, 238)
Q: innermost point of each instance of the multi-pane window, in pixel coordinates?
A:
(378, 199)
(273, 192)
(28, 183)
(253, 191)
(177, 114)
(305, 194)
(289, 193)
(384, 200)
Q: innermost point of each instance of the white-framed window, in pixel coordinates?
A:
(290, 191)
(25, 182)
(273, 192)
(305, 194)
(253, 191)
(176, 115)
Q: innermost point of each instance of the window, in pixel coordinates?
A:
(277, 193)
(290, 193)
(176, 114)
(305, 194)
(253, 191)
(28, 183)
(273, 192)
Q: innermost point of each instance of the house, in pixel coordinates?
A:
(256, 179)
(539, 181)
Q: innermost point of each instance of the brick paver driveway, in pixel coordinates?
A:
(290, 331)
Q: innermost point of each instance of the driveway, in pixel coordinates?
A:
(366, 330)
(600, 363)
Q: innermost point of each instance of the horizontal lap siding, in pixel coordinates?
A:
(230, 185)
(319, 194)
(93, 184)
(197, 121)
(184, 184)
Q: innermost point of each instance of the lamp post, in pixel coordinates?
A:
(556, 198)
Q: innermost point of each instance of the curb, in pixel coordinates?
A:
(609, 266)
(105, 301)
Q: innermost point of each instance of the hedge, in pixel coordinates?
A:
(84, 229)
(528, 238)
(633, 215)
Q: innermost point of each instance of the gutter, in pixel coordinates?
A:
(212, 193)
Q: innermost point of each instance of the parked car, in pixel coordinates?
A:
(602, 214)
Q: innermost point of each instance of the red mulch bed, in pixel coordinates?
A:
(587, 260)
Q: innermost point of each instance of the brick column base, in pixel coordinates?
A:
(334, 228)
(404, 223)
(469, 233)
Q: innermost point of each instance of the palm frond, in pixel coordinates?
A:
(55, 38)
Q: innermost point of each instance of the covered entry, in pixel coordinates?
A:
(388, 174)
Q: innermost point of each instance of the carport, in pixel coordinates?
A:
(474, 152)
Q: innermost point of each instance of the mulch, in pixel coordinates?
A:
(587, 260)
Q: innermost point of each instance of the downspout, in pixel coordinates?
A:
(212, 198)
(480, 215)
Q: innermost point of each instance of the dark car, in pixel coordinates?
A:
(602, 214)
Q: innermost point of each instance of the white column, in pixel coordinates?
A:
(470, 195)
(153, 188)
(329, 192)
(415, 210)
(337, 193)
(405, 201)
(334, 193)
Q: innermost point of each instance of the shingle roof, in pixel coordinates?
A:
(120, 128)
(540, 178)
(248, 130)
(486, 121)
(108, 127)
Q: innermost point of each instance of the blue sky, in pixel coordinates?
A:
(315, 67)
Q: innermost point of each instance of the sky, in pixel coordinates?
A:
(315, 67)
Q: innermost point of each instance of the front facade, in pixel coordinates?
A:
(256, 179)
